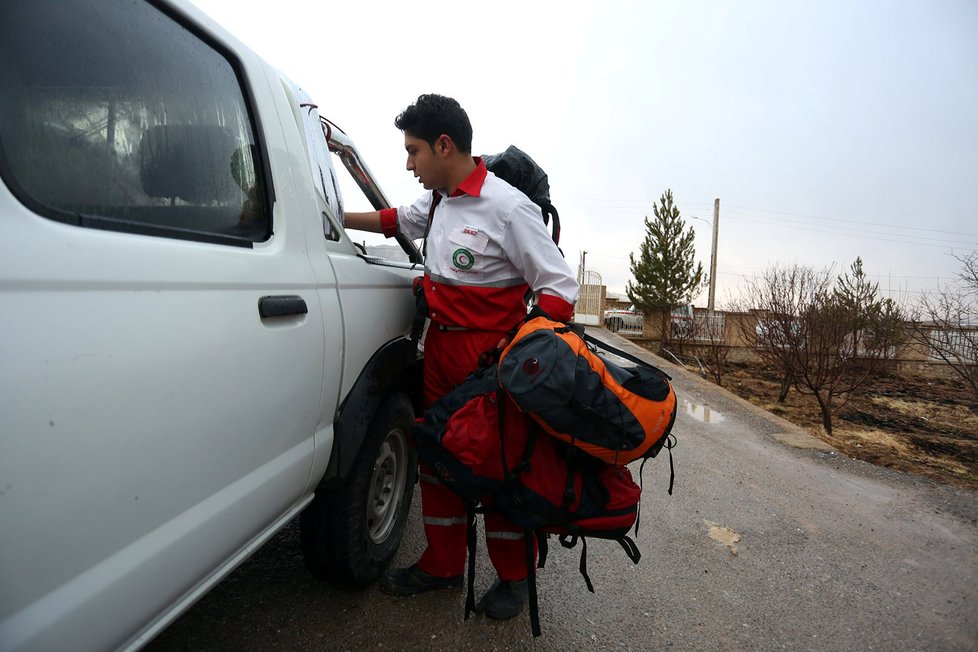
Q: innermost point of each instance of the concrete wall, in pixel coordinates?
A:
(913, 359)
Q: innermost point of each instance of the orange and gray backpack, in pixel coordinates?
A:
(614, 413)
(541, 434)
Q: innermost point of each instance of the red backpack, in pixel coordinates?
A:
(484, 447)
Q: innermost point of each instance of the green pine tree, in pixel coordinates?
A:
(858, 296)
(666, 274)
(870, 316)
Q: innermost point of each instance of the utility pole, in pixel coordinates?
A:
(713, 255)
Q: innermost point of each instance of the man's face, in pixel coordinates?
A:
(424, 162)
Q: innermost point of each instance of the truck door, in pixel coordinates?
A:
(366, 298)
(162, 339)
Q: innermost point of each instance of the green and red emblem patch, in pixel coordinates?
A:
(463, 258)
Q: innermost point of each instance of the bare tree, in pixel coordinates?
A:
(710, 344)
(682, 330)
(946, 322)
(777, 299)
(823, 344)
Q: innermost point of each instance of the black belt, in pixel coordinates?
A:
(443, 328)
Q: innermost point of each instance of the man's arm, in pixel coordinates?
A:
(362, 221)
(384, 221)
(533, 252)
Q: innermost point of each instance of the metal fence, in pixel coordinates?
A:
(962, 344)
(697, 327)
(588, 309)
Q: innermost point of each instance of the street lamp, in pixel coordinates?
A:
(713, 251)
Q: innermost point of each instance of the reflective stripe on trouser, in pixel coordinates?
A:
(450, 356)
(444, 526)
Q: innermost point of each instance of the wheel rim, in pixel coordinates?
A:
(387, 486)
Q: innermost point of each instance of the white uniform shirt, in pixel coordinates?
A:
(483, 251)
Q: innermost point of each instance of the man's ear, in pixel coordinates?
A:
(444, 145)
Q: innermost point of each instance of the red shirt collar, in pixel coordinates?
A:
(472, 184)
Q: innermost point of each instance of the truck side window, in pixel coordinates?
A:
(321, 165)
(113, 115)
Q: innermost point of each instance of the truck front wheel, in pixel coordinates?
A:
(351, 534)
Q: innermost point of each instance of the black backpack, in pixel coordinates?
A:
(515, 167)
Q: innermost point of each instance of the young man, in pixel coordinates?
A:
(486, 247)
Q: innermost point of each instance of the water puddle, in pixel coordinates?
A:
(724, 535)
(703, 413)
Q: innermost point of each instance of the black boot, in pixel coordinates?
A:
(412, 580)
(503, 600)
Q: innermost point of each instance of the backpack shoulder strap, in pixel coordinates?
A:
(550, 215)
(531, 582)
(579, 330)
(621, 354)
(435, 199)
(470, 540)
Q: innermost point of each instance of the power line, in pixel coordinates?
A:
(620, 206)
(858, 233)
(921, 240)
(850, 221)
(749, 268)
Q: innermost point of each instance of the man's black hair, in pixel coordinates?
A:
(433, 115)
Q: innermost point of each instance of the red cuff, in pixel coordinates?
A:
(556, 307)
(388, 222)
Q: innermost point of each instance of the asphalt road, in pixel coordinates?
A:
(771, 541)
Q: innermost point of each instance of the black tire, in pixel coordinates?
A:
(350, 534)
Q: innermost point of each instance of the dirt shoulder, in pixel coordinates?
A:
(921, 425)
(924, 426)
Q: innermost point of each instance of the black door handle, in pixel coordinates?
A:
(281, 306)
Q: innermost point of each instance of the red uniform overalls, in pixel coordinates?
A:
(487, 246)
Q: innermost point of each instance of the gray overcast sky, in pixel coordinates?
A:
(829, 129)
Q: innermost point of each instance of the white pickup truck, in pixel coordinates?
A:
(192, 350)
